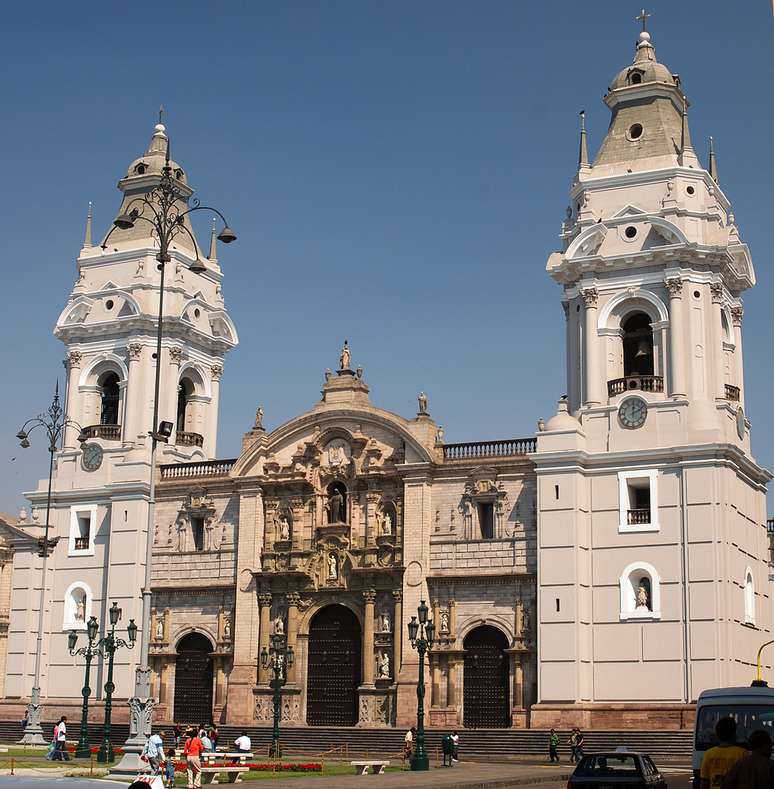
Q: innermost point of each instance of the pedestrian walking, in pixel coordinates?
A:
(177, 730)
(169, 772)
(573, 743)
(213, 735)
(756, 770)
(719, 760)
(408, 743)
(192, 750)
(60, 737)
(446, 749)
(154, 751)
(455, 746)
(553, 746)
(580, 742)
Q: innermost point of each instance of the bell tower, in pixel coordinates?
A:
(109, 325)
(647, 488)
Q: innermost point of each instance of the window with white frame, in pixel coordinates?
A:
(638, 501)
(77, 606)
(749, 597)
(83, 526)
(640, 592)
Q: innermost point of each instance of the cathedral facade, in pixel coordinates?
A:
(600, 573)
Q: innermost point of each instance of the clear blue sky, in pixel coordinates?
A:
(397, 174)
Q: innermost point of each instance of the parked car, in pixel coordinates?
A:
(614, 769)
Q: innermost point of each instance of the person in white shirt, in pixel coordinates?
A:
(60, 749)
(243, 743)
(154, 750)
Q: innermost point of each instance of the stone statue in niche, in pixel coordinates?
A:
(227, 628)
(80, 608)
(333, 567)
(279, 625)
(384, 666)
(284, 528)
(444, 621)
(160, 629)
(384, 622)
(643, 598)
(336, 507)
(386, 524)
(525, 623)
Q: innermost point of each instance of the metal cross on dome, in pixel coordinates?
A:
(643, 17)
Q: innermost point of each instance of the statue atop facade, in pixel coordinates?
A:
(258, 419)
(384, 666)
(335, 507)
(345, 357)
(333, 567)
(422, 403)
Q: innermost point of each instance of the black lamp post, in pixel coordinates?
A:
(92, 628)
(164, 209)
(279, 657)
(107, 645)
(421, 635)
(53, 423)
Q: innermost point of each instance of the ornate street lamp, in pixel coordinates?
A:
(279, 657)
(92, 628)
(53, 423)
(164, 209)
(421, 634)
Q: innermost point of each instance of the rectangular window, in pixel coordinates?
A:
(638, 501)
(486, 518)
(83, 526)
(197, 530)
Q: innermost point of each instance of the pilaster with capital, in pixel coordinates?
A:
(397, 629)
(264, 601)
(134, 398)
(172, 380)
(718, 371)
(590, 298)
(72, 364)
(737, 312)
(293, 600)
(677, 388)
(211, 434)
(369, 597)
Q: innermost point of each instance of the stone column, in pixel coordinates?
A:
(674, 286)
(293, 599)
(568, 355)
(453, 621)
(736, 316)
(397, 631)
(220, 681)
(716, 370)
(518, 619)
(591, 351)
(211, 423)
(369, 595)
(264, 601)
(518, 681)
(168, 399)
(73, 366)
(371, 526)
(436, 682)
(435, 609)
(164, 686)
(133, 396)
(451, 680)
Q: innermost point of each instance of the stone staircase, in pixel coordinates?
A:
(478, 743)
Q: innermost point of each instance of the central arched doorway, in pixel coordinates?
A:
(333, 670)
(193, 680)
(486, 680)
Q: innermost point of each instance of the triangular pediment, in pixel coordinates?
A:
(109, 286)
(629, 210)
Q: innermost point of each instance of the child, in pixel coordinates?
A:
(169, 773)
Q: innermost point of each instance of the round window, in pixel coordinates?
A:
(635, 131)
(696, 294)
(109, 304)
(630, 231)
(197, 312)
(690, 190)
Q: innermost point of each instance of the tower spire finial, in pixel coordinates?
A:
(161, 113)
(643, 17)
(213, 242)
(87, 234)
(713, 162)
(685, 135)
(583, 150)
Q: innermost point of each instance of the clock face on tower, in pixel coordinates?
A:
(91, 459)
(633, 412)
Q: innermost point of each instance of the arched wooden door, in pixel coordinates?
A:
(486, 680)
(333, 670)
(193, 680)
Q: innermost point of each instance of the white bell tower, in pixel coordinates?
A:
(651, 507)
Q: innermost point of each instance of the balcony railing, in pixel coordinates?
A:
(105, 432)
(638, 517)
(732, 393)
(509, 447)
(81, 543)
(202, 468)
(189, 439)
(645, 383)
(770, 525)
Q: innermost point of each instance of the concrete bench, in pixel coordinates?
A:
(210, 774)
(377, 765)
(232, 756)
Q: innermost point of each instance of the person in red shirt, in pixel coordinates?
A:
(192, 750)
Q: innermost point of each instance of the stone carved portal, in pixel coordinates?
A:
(193, 679)
(333, 670)
(486, 697)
